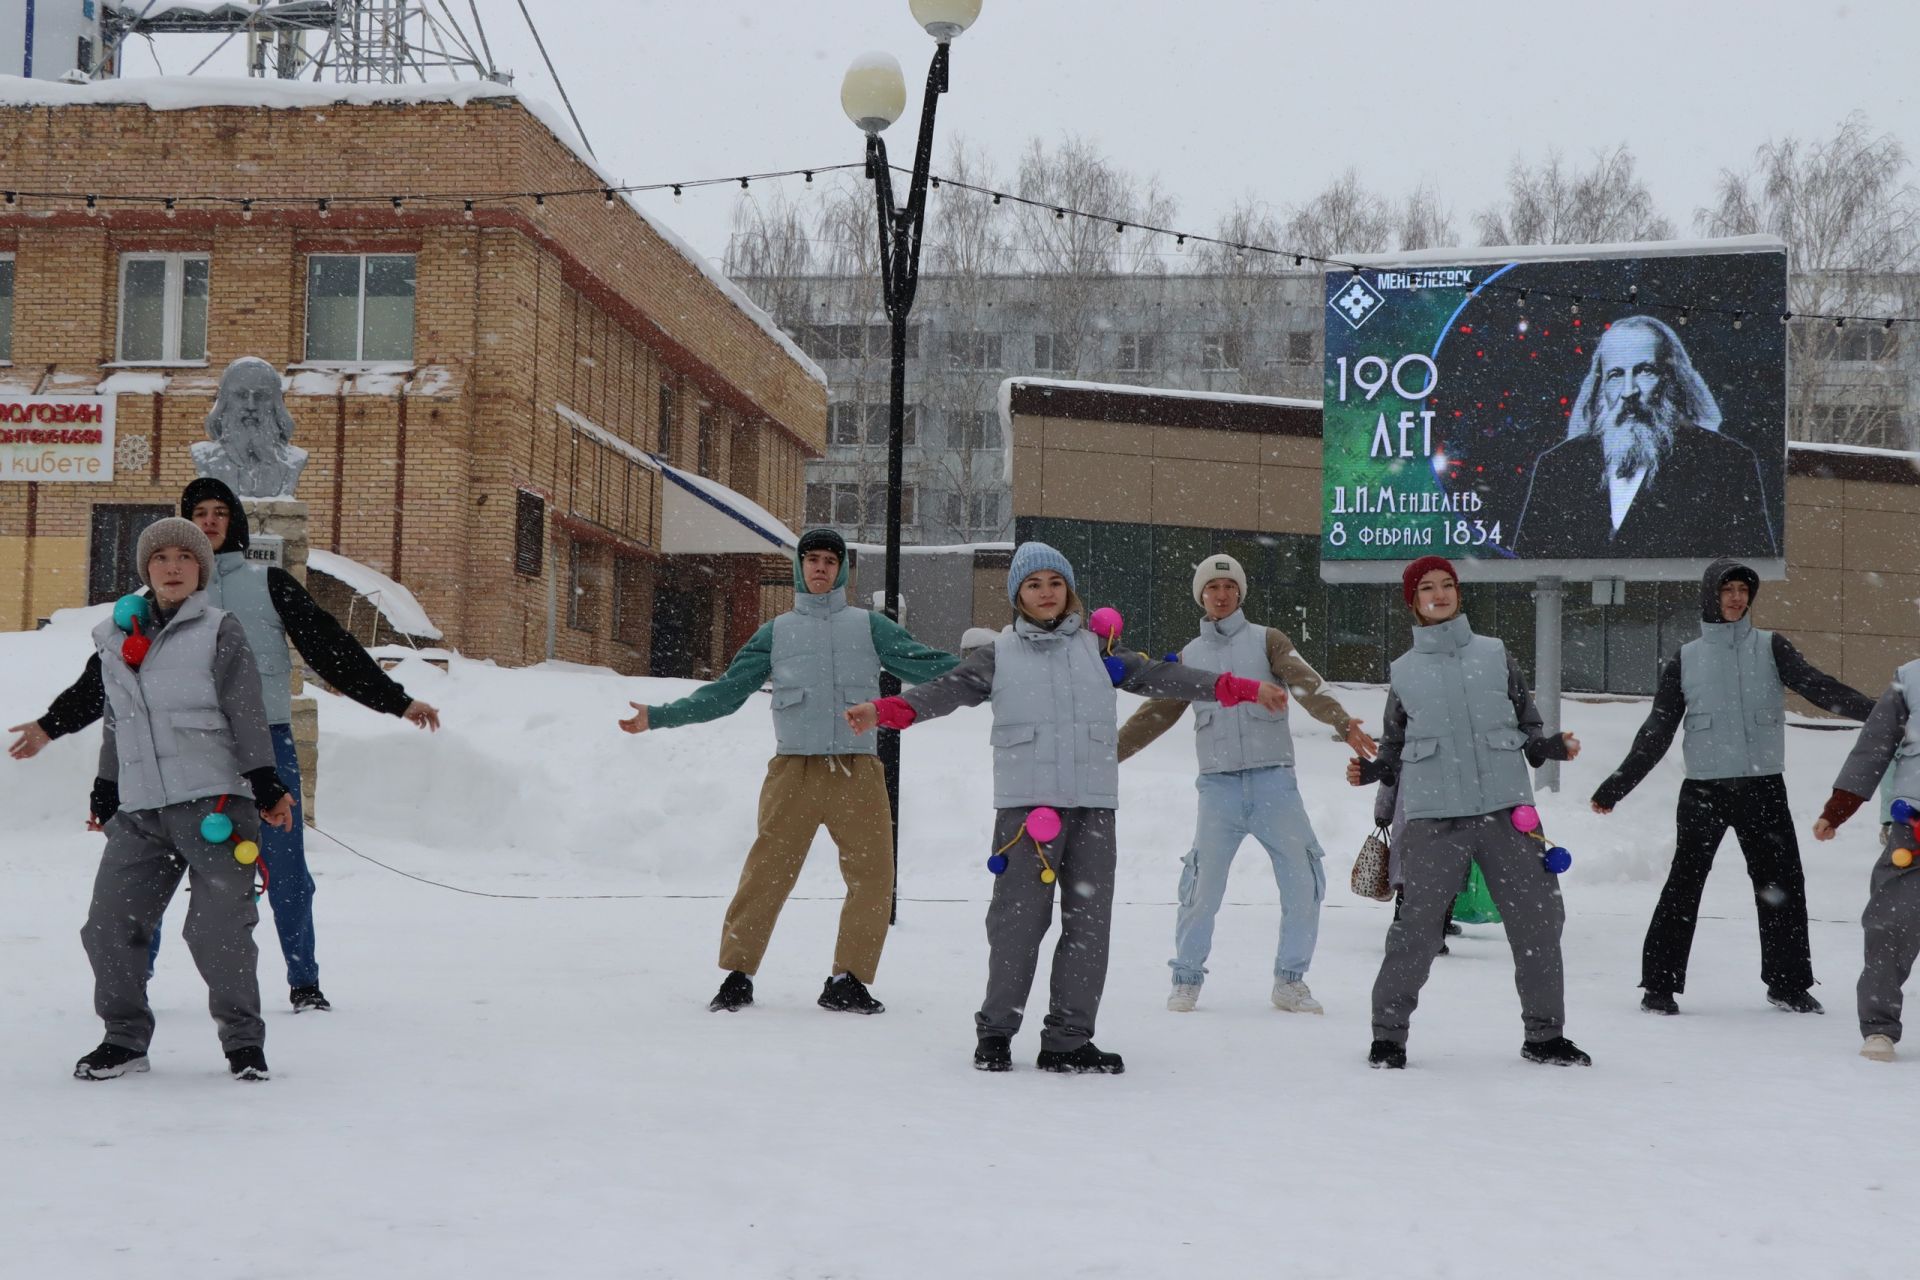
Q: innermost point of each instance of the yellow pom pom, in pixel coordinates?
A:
(1046, 875)
(246, 852)
(1903, 857)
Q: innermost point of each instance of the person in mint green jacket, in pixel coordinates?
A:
(823, 656)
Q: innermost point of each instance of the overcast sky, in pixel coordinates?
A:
(1219, 98)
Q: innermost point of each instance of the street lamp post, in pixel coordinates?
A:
(874, 95)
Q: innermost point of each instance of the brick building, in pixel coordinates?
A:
(544, 418)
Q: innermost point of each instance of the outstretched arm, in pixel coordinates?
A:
(1148, 722)
(1867, 763)
(340, 660)
(903, 656)
(1651, 743)
(1815, 685)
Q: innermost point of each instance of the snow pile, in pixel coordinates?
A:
(395, 603)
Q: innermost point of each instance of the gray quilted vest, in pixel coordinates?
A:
(823, 663)
(1247, 736)
(1906, 758)
(1054, 720)
(1736, 705)
(173, 739)
(1463, 754)
(239, 587)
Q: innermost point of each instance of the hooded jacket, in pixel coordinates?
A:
(272, 607)
(1728, 687)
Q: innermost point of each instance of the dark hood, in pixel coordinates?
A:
(1718, 574)
(197, 492)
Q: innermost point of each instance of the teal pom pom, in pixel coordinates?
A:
(215, 828)
(129, 609)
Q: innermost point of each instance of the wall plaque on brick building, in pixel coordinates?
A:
(56, 439)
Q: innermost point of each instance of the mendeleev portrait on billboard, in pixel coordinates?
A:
(1527, 413)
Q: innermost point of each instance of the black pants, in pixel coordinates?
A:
(1756, 809)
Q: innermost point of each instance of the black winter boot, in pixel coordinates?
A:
(846, 994)
(993, 1053)
(305, 998)
(1388, 1054)
(108, 1061)
(1659, 1002)
(249, 1063)
(736, 992)
(1794, 1001)
(1557, 1052)
(1087, 1058)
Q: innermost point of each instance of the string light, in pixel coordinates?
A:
(539, 202)
(171, 210)
(93, 205)
(246, 211)
(466, 210)
(609, 197)
(399, 204)
(325, 206)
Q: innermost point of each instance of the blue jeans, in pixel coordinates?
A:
(289, 884)
(1264, 804)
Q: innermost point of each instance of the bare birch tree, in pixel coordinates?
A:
(1552, 203)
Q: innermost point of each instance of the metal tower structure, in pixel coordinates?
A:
(358, 41)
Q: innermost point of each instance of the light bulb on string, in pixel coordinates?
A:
(246, 211)
(466, 210)
(325, 206)
(608, 194)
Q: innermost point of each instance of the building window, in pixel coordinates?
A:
(1300, 347)
(585, 578)
(704, 454)
(855, 424)
(974, 513)
(846, 504)
(854, 341)
(6, 308)
(1220, 351)
(529, 532)
(664, 442)
(973, 429)
(1136, 353)
(877, 504)
(360, 306)
(1053, 353)
(819, 504)
(163, 307)
(83, 56)
(632, 590)
(973, 351)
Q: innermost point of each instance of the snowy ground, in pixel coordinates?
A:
(521, 1088)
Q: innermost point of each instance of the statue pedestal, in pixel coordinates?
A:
(278, 528)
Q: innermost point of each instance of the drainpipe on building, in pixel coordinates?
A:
(553, 594)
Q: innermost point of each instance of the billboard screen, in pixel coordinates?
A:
(1579, 416)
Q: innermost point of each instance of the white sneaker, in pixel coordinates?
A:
(1878, 1048)
(1293, 997)
(1183, 997)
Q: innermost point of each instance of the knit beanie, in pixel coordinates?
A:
(1218, 567)
(172, 531)
(1410, 579)
(1030, 558)
(821, 540)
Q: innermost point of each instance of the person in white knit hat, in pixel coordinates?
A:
(1247, 787)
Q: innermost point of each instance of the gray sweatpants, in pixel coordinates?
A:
(1892, 924)
(1021, 912)
(1438, 851)
(148, 850)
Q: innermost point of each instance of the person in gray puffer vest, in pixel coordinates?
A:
(1459, 733)
(1887, 752)
(823, 656)
(1055, 724)
(1729, 687)
(185, 731)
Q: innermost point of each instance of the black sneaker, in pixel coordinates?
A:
(108, 1061)
(846, 994)
(305, 998)
(1453, 929)
(993, 1053)
(1794, 1001)
(1557, 1052)
(1388, 1054)
(736, 992)
(249, 1063)
(1659, 1002)
(1086, 1058)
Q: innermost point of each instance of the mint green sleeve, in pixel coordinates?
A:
(901, 654)
(741, 680)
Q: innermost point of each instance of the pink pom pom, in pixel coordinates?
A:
(1526, 818)
(1105, 622)
(1043, 824)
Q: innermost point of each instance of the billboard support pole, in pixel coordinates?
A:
(1546, 651)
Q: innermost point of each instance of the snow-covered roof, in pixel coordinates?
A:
(945, 549)
(1806, 446)
(184, 93)
(1567, 252)
(1167, 393)
(395, 603)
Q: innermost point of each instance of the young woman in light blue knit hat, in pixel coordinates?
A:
(1056, 784)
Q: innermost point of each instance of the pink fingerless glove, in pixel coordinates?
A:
(894, 713)
(1233, 690)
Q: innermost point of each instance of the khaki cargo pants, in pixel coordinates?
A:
(848, 794)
